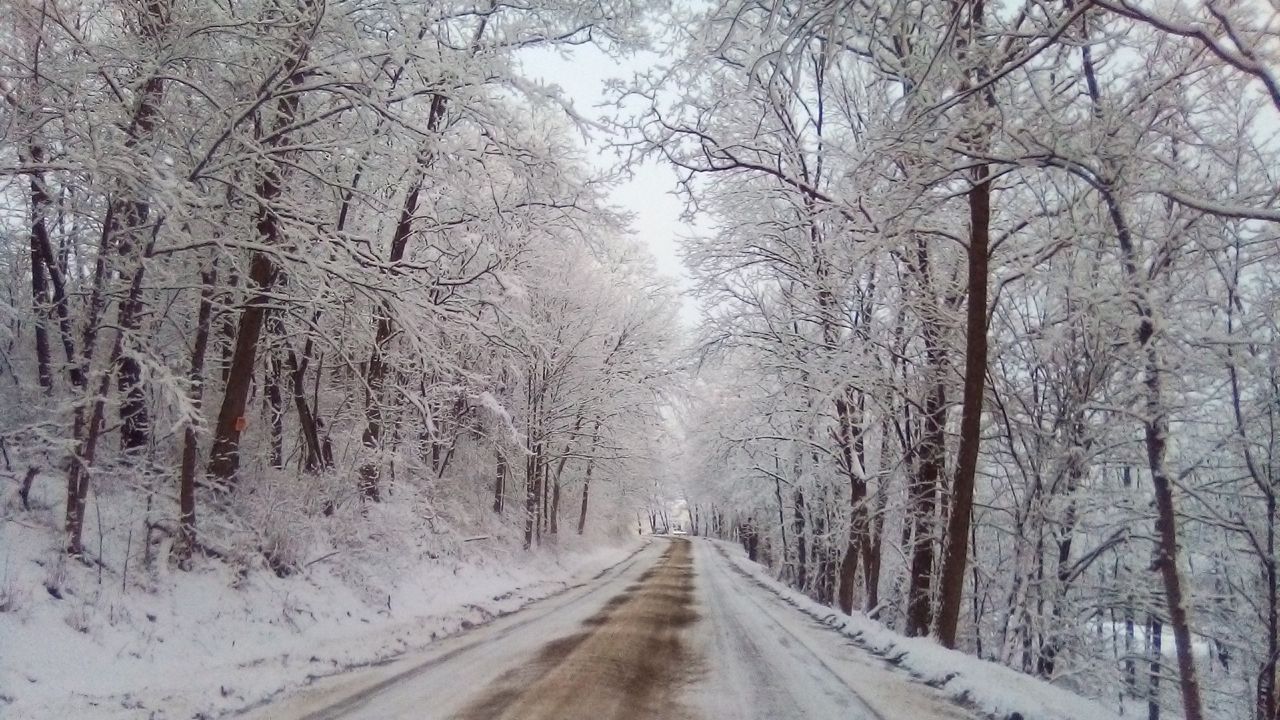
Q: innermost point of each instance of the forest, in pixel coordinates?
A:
(988, 323)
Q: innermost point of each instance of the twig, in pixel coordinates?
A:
(322, 558)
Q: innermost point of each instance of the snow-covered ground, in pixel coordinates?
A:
(111, 641)
(993, 689)
(688, 630)
(370, 623)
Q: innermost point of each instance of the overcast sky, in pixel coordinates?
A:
(582, 74)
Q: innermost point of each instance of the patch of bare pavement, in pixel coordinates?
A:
(627, 663)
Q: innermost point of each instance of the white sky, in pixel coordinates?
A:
(581, 74)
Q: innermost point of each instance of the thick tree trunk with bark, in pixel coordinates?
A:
(956, 547)
(224, 458)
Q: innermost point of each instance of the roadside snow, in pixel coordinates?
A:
(993, 689)
(80, 642)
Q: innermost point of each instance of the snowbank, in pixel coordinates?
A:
(991, 688)
(116, 640)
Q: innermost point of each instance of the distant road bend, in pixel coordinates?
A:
(675, 633)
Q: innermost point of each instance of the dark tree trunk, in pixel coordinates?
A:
(956, 547)
(86, 429)
(1130, 666)
(533, 459)
(530, 498)
(586, 493)
(1155, 427)
(375, 373)
(81, 464)
(750, 540)
(190, 440)
(125, 223)
(39, 283)
(500, 482)
(371, 438)
(313, 457)
(375, 369)
(923, 493)
(224, 458)
(553, 527)
(802, 541)
(849, 441)
(273, 391)
(135, 420)
(586, 480)
(44, 260)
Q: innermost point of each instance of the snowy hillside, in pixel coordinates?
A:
(88, 641)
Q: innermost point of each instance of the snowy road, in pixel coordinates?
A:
(675, 632)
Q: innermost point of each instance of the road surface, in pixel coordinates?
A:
(676, 632)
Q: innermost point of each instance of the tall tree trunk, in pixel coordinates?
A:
(874, 539)
(371, 438)
(124, 224)
(956, 548)
(530, 498)
(375, 373)
(586, 494)
(923, 494)
(532, 492)
(44, 257)
(1155, 422)
(500, 481)
(39, 282)
(190, 439)
(313, 456)
(135, 419)
(273, 392)
(852, 465)
(85, 428)
(375, 369)
(224, 458)
(553, 526)
(544, 503)
(1167, 538)
(1073, 473)
(82, 463)
(798, 513)
(586, 480)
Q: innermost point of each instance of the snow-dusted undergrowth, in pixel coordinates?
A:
(995, 690)
(128, 636)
